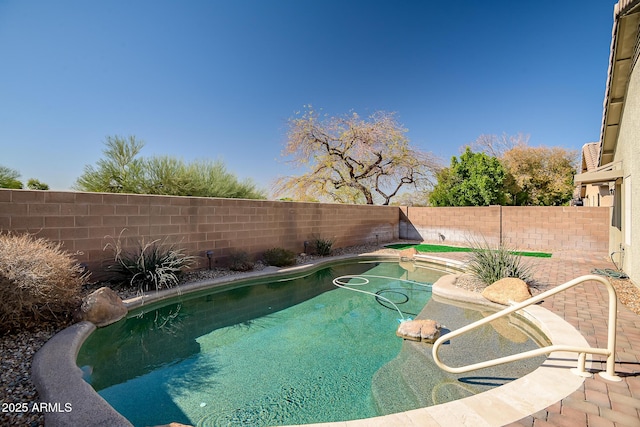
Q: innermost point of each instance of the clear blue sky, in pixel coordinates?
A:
(219, 79)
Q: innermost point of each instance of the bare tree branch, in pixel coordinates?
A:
(353, 159)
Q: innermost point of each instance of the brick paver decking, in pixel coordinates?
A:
(598, 403)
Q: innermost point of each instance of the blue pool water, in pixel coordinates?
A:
(273, 352)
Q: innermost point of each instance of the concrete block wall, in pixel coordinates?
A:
(556, 228)
(86, 222)
(547, 228)
(451, 225)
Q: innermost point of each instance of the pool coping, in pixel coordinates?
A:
(549, 383)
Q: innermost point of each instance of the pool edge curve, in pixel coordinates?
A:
(549, 383)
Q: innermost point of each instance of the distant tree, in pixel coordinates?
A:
(352, 160)
(414, 198)
(535, 175)
(476, 179)
(118, 172)
(34, 184)
(540, 176)
(123, 171)
(211, 179)
(9, 178)
(495, 145)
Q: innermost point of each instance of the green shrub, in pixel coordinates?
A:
(322, 246)
(491, 264)
(279, 257)
(38, 282)
(150, 266)
(240, 261)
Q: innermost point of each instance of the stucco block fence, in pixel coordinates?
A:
(87, 222)
(537, 228)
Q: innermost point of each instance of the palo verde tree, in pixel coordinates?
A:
(122, 170)
(352, 160)
(476, 179)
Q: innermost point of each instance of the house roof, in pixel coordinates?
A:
(624, 54)
(590, 156)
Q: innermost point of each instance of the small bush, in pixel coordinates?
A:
(491, 264)
(279, 257)
(240, 261)
(322, 246)
(151, 266)
(38, 282)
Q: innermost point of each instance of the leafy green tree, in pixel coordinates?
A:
(352, 160)
(34, 184)
(9, 178)
(123, 171)
(538, 176)
(476, 179)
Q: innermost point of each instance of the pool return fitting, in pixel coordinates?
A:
(609, 374)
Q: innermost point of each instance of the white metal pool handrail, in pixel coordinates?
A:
(610, 373)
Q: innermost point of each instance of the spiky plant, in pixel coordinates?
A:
(322, 245)
(153, 265)
(489, 264)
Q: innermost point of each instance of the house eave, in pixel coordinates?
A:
(621, 61)
(605, 174)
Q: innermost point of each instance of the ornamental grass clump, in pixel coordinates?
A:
(322, 245)
(489, 264)
(150, 266)
(39, 282)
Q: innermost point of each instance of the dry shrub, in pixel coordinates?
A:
(279, 257)
(38, 282)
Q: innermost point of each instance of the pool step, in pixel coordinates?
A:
(412, 380)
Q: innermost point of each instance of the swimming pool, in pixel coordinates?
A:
(293, 350)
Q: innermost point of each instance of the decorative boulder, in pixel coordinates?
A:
(507, 290)
(408, 253)
(419, 330)
(102, 307)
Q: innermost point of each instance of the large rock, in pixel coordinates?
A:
(408, 253)
(507, 290)
(102, 307)
(419, 330)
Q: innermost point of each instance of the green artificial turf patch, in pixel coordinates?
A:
(443, 248)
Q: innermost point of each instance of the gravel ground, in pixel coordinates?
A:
(18, 394)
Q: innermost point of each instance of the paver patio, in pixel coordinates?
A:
(597, 403)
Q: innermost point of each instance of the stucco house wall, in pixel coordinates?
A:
(619, 149)
(628, 151)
